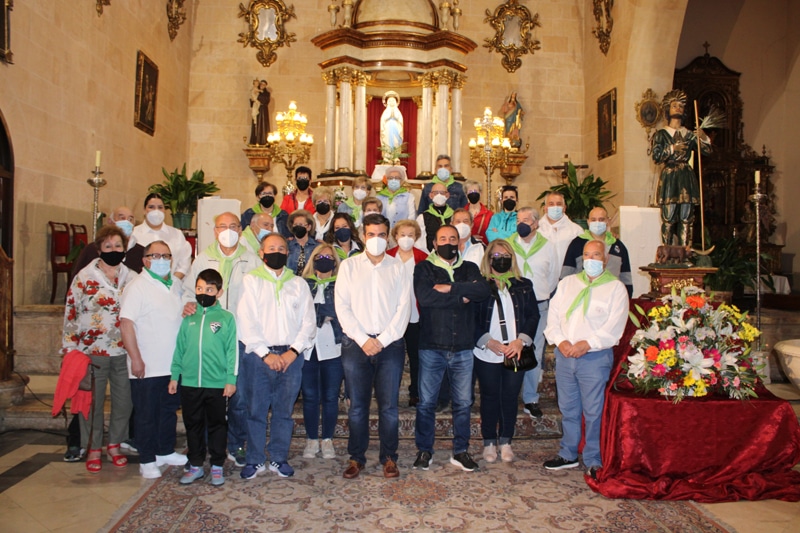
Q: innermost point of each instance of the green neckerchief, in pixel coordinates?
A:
(167, 282)
(251, 239)
(391, 194)
(538, 243)
(608, 238)
(447, 183)
(320, 281)
(275, 209)
(448, 213)
(441, 263)
(279, 282)
(586, 293)
(503, 278)
(225, 261)
(356, 214)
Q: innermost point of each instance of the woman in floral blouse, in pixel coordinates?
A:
(91, 326)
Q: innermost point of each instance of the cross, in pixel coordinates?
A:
(564, 168)
(706, 46)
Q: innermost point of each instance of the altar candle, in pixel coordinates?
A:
(758, 177)
(97, 159)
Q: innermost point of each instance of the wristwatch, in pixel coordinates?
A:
(264, 359)
(295, 351)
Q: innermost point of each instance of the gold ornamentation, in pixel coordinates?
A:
(329, 77)
(345, 74)
(490, 150)
(602, 14)
(289, 144)
(5, 31)
(648, 110)
(265, 28)
(100, 4)
(176, 15)
(458, 81)
(513, 25)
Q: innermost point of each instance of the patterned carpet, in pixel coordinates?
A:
(521, 496)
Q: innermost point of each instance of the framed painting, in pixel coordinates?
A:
(5, 31)
(607, 124)
(144, 113)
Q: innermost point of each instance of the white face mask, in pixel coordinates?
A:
(439, 200)
(598, 228)
(126, 226)
(359, 194)
(228, 238)
(376, 246)
(155, 217)
(443, 174)
(464, 230)
(393, 184)
(555, 212)
(593, 267)
(405, 243)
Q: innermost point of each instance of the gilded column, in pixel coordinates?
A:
(456, 86)
(330, 121)
(425, 127)
(345, 138)
(360, 162)
(442, 112)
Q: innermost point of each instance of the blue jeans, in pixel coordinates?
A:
(155, 417)
(581, 385)
(530, 387)
(237, 410)
(384, 370)
(433, 365)
(267, 388)
(321, 383)
(499, 393)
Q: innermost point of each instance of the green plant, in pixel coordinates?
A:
(733, 269)
(580, 196)
(180, 194)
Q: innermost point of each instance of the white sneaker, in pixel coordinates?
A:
(150, 470)
(174, 459)
(506, 453)
(312, 448)
(490, 453)
(327, 449)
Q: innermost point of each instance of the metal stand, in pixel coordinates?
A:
(96, 182)
(757, 197)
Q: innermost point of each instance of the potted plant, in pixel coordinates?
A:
(180, 194)
(580, 196)
(734, 271)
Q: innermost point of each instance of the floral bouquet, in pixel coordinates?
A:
(339, 196)
(686, 347)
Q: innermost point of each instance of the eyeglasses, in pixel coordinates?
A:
(263, 194)
(159, 256)
(234, 227)
(324, 256)
(498, 256)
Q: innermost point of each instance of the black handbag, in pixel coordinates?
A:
(527, 359)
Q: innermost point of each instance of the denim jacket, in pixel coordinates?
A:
(327, 309)
(294, 252)
(526, 313)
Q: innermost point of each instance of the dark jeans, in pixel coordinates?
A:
(204, 410)
(155, 417)
(237, 410)
(321, 383)
(411, 337)
(499, 392)
(361, 372)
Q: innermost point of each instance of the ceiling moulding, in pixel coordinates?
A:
(394, 39)
(392, 64)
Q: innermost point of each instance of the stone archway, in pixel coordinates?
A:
(6, 189)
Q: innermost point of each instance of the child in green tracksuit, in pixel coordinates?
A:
(206, 362)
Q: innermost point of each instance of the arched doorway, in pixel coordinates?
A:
(6, 189)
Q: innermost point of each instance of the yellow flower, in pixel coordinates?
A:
(688, 381)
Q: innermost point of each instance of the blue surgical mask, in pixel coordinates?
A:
(160, 267)
(555, 212)
(262, 233)
(393, 184)
(593, 267)
(443, 174)
(598, 228)
(126, 226)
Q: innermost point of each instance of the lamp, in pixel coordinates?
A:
(289, 144)
(490, 149)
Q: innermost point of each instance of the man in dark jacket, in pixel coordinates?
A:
(445, 285)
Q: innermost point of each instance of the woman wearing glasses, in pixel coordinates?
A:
(322, 371)
(499, 386)
(155, 229)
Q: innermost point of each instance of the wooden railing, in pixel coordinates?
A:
(6, 316)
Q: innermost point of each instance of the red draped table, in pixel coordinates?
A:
(710, 449)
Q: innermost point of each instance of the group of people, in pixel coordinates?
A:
(304, 299)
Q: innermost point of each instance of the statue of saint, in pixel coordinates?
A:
(259, 112)
(391, 125)
(512, 115)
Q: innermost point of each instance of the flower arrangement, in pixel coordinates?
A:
(686, 347)
(339, 196)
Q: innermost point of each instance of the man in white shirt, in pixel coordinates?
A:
(556, 225)
(586, 319)
(261, 225)
(150, 317)
(276, 323)
(373, 304)
(537, 258)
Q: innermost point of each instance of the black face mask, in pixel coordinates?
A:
(206, 300)
(509, 204)
(275, 260)
(299, 231)
(343, 235)
(266, 201)
(447, 251)
(302, 184)
(323, 264)
(501, 264)
(523, 230)
(323, 208)
(112, 259)
(474, 197)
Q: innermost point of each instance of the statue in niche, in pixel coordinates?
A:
(259, 112)
(512, 115)
(391, 125)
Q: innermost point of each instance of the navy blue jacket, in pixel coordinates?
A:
(526, 311)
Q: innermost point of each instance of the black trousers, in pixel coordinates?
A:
(204, 413)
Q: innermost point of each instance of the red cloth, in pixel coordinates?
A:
(290, 204)
(481, 223)
(709, 449)
(419, 255)
(409, 110)
(73, 368)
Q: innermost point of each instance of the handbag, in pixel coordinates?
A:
(527, 359)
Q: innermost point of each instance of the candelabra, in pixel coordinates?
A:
(96, 182)
(290, 145)
(490, 150)
(757, 197)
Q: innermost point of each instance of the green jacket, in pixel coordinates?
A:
(206, 353)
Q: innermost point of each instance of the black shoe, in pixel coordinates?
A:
(559, 463)
(533, 410)
(464, 460)
(592, 472)
(413, 401)
(441, 407)
(424, 460)
(73, 454)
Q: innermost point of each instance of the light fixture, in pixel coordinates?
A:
(489, 150)
(289, 144)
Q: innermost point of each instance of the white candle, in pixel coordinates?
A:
(758, 177)
(97, 159)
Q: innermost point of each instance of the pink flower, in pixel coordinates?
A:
(736, 382)
(673, 386)
(658, 371)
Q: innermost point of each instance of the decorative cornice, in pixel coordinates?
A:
(393, 39)
(393, 64)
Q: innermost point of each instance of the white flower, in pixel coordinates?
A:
(695, 364)
(638, 364)
(704, 333)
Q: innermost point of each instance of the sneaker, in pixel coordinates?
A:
(464, 460)
(559, 463)
(217, 477)
(282, 469)
(533, 410)
(237, 456)
(150, 470)
(129, 446)
(490, 453)
(251, 471)
(74, 454)
(194, 473)
(424, 460)
(327, 449)
(174, 459)
(312, 448)
(506, 453)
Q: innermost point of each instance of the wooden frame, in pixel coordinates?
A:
(607, 124)
(5, 30)
(144, 112)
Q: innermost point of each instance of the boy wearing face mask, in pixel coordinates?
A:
(398, 202)
(436, 215)
(206, 362)
(556, 226)
(503, 224)
(265, 194)
(301, 197)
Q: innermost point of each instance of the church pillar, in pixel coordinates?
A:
(425, 127)
(330, 121)
(360, 162)
(346, 76)
(442, 104)
(455, 122)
